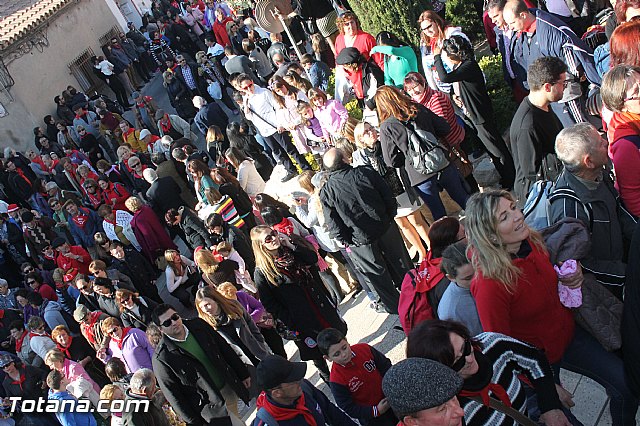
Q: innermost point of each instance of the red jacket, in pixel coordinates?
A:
(117, 193)
(66, 263)
(533, 312)
(220, 31)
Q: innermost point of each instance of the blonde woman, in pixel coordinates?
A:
(182, 274)
(409, 218)
(80, 383)
(232, 321)
(215, 269)
(292, 291)
(516, 293)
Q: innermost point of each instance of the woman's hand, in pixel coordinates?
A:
(286, 241)
(573, 280)
(566, 398)
(554, 418)
(437, 49)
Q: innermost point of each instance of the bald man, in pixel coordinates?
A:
(359, 208)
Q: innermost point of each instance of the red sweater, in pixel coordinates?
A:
(364, 43)
(47, 292)
(220, 31)
(116, 193)
(533, 313)
(66, 263)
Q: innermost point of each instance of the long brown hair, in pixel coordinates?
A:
(232, 308)
(437, 21)
(278, 82)
(221, 175)
(391, 102)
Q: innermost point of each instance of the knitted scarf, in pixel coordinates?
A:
(283, 413)
(623, 124)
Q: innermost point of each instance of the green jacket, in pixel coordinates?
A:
(398, 62)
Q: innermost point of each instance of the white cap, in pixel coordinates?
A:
(144, 133)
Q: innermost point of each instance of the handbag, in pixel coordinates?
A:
(425, 152)
(461, 161)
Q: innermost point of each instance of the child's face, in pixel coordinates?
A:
(308, 113)
(464, 275)
(318, 102)
(340, 352)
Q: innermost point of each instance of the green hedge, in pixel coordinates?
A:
(500, 94)
(462, 13)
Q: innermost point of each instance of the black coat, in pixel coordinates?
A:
(210, 115)
(240, 243)
(630, 328)
(154, 416)
(130, 319)
(289, 301)
(158, 193)
(358, 205)
(186, 382)
(394, 140)
(194, 229)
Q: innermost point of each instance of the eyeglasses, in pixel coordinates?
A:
(271, 237)
(31, 282)
(166, 323)
(27, 270)
(135, 164)
(462, 361)
(349, 23)
(113, 330)
(369, 130)
(565, 83)
(249, 84)
(427, 28)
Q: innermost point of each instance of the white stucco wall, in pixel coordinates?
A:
(40, 76)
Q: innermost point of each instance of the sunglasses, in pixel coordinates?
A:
(462, 361)
(166, 323)
(250, 84)
(27, 270)
(31, 282)
(135, 164)
(113, 330)
(271, 237)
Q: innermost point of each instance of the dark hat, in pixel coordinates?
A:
(82, 105)
(6, 360)
(348, 55)
(159, 114)
(57, 242)
(416, 384)
(27, 217)
(275, 370)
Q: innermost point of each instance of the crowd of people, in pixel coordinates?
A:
(494, 302)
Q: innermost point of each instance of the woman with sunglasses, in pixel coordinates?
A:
(135, 310)
(458, 65)
(516, 293)
(490, 365)
(433, 31)
(129, 344)
(292, 291)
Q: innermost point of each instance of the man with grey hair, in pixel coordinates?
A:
(583, 152)
(359, 208)
(209, 115)
(7, 301)
(142, 388)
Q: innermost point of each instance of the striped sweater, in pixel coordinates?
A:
(227, 210)
(510, 358)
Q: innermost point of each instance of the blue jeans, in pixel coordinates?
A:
(448, 179)
(586, 356)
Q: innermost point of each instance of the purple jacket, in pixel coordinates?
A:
(251, 305)
(136, 352)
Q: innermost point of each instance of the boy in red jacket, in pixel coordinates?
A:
(356, 378)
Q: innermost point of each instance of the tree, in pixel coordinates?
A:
(399, 17)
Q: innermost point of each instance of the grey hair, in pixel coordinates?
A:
(142, 380)
(574, 142)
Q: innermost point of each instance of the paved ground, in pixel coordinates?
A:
(365, 325)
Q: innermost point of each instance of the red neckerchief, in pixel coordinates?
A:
(64, 262)
(66, 350)
(88, 326)
(82, 114)
(95, 199)
(429, 273)
(20, 381)
(80, 219)
(284, 227)
(19, 341)
(355, 77)
(484, 394)
(165, 127)
(281, 413)
(21, 174)
(623, 124)
(139, 176)
(120, 341)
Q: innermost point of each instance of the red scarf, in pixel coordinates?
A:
(19, 341)
(80, 219)
(355, 77)
(20, 381)
(484, 394)
(165, 127)
(21, 174)
(95, 199)
(88, 326)
(284, 227)
(281, 413)
(66, 350)
(82, 114)
(120, 341)
(623, 124)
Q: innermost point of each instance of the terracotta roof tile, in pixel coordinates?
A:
(17, 17)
